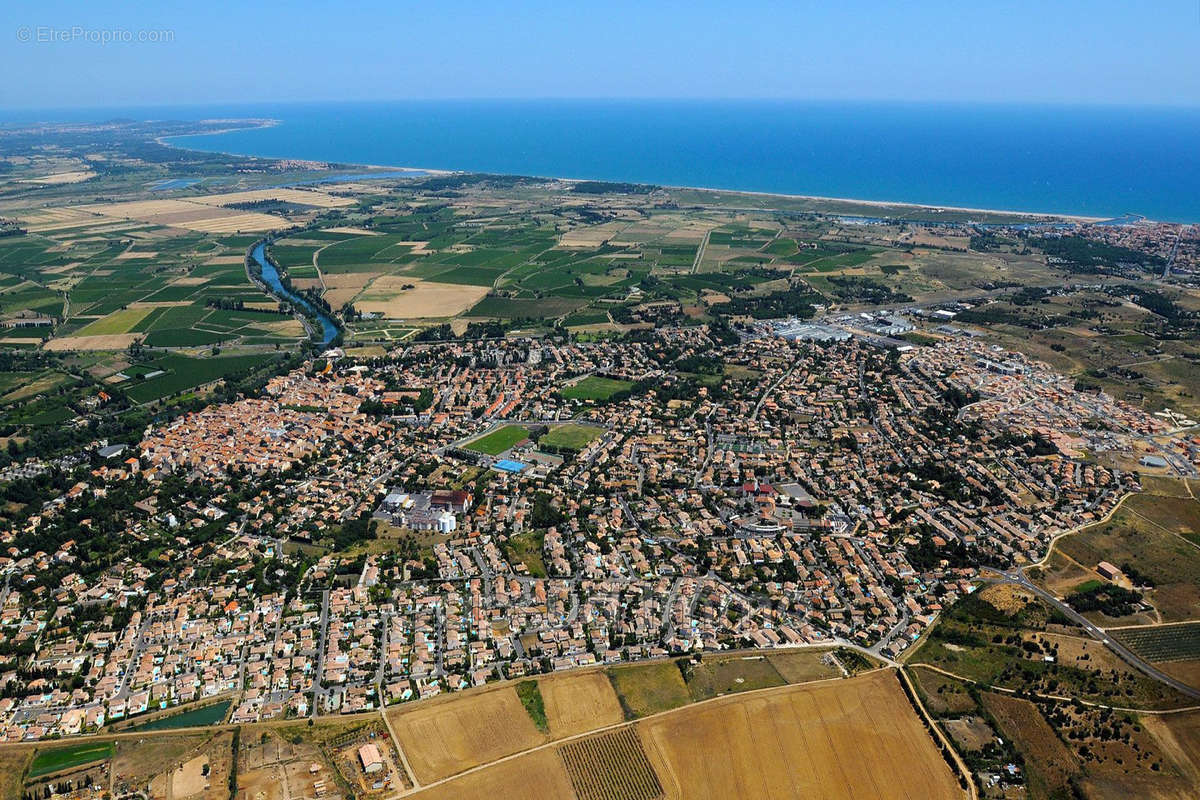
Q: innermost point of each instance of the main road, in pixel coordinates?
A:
(1124, 653)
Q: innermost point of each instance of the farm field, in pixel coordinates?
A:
(520, 308)
(611, 766)
(645, 689)
(498, 441)
(1162, 643)
(122, 321)
(114, 341)
(187, 214)
(13, 763)
(447, 737)
(53, 759)
(851, 738)
(534, 776)
(165, 286)
(579, 702)
(402, 297)
(181, 373)
(15, 386)
(595, 387)
(1148, 532)
(571, 437)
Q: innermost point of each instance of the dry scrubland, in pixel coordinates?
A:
(1048, 761)
(646, 689)
(802, 666)
(1179, 737)
(113, 341)
(1157, 533)
(13, 763)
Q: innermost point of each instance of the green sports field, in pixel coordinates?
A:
(571, 437)
(595, 387)
(498, 440)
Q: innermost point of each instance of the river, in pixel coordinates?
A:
(270, 276)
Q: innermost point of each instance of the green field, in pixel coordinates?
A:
(717, 675)
(595, 387)
(291, 256)
(571, 437)
(526, 548)
(646, 689)
(47, 761)
(1162, 642)
(525, 308)
(122, 321)
(531, 698)
(499, 440)
(183, 372)
(589, 316)
(782, 247)
(184, 337)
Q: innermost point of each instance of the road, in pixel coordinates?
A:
(1124, 653)
(700, 251)
(318, 689)
(708, 454)
(771, 390)
(877, 648)
(1171, 260)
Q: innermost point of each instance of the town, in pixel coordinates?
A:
(364, 532)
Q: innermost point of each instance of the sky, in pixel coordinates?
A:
(105, 53)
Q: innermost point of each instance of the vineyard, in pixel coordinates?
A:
(1163, 642)
(611, 766)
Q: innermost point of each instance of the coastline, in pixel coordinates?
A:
(1032, 216)
(271, 123)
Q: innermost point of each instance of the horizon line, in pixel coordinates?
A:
(987, 103)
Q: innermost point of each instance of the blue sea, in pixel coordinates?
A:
(1095, 161)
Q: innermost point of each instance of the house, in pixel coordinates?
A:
(370, 758)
